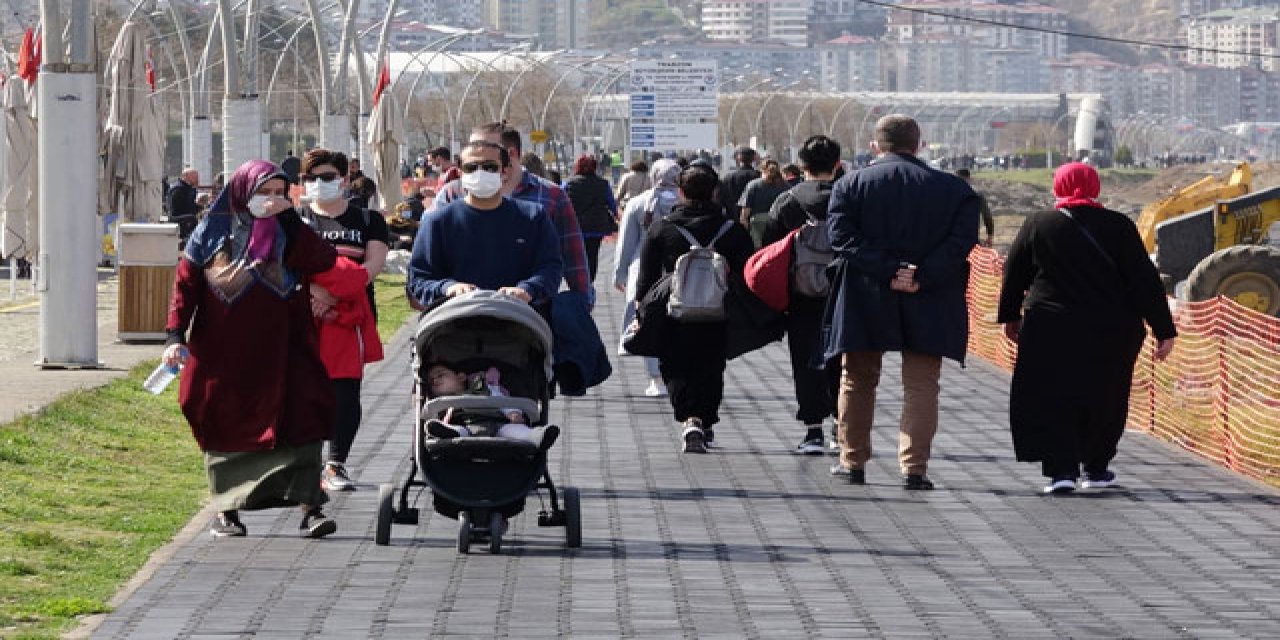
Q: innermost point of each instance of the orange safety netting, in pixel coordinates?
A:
(1218, 395)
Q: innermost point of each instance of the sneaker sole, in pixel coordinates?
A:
(810, 451)
(1057, 491)
(219, 534)
(1097, 485)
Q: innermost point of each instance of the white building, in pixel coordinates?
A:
(908, 27)
(785, 21)
(1255, 31)
(851, 63)
(553, 24)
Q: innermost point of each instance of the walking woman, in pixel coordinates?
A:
(758, 197)
(594, 205)
(1078, 286)
(633, 183)
(362, 236)
(641, 212)
(695, 352)
(254, 390)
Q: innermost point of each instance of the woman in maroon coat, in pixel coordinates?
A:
(254, 391)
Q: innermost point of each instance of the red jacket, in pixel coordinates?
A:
(348, 335)
(768, 272)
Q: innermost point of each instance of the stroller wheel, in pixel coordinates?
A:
(497, 527)
(464, 532)
(572, 518)
(382, 534)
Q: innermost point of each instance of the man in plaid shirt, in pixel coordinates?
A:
(531, 188)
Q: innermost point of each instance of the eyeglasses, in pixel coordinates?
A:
(328, 176)
(487, 165)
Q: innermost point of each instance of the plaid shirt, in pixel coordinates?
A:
(552, 199)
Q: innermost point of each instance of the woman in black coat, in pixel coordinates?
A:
(1077, 287)
(594, 206)
(694, 355)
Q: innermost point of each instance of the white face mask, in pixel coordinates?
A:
(258, 206)
(481, 183)
(324, 190)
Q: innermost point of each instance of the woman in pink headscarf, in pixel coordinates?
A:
(1078, 286)
(254, 389)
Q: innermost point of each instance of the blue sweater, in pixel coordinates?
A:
(514, 245)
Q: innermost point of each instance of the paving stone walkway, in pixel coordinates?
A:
(750, 541)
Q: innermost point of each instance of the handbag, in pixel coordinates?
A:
(768, 273)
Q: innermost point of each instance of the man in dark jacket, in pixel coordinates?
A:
(734, 182)
(181, 197)
(902, 233)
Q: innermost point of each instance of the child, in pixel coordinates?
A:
(443, 381)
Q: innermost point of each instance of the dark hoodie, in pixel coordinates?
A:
(792, 209)
(663, 243)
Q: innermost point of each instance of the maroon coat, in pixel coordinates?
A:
(254, 379)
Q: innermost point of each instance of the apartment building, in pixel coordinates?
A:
(552, 24)
(906, 26)
(783, 21)
(1254, 31)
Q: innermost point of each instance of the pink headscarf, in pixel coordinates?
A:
(1076, 184)
(235, 199)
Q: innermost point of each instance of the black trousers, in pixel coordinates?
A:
(592, 244)
(346, 421)
(693, 367)
(815, 385)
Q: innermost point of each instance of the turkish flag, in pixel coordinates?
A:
(151, 71)
(384, 81)
(29, 56)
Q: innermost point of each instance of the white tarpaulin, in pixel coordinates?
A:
(386, 134)
(18, 192)
(133, 137)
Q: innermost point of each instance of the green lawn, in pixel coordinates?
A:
(92, 485)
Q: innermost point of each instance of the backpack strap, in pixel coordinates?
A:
(723, 229)
(693, 242)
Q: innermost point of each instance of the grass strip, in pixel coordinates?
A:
(93, 484)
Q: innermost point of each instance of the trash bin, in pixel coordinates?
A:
(147, 255)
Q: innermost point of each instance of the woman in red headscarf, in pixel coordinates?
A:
(254, 389)
(1078, 286)
(593, 204)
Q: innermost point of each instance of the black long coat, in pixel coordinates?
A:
(900, 210)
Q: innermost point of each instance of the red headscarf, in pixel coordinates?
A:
(1076, 184)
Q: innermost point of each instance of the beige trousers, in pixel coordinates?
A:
(860, 374)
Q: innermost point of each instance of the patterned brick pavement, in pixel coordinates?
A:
(751, 541)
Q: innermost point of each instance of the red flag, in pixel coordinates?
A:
(384, 80)
(151, 71)
(29, 57)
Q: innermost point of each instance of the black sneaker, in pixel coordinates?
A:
(227, 525)
(851, 476)
(1059, 485)
(812, 445)
(315, 524)
(709, 437)
(917, 482)
(694, 437)
(1101, 480)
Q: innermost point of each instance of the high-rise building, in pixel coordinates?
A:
(552, 24)
(784, 21)
(999, 26)
(1253, 31)
(851, 63)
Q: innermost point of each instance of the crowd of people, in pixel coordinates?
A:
(848, 263)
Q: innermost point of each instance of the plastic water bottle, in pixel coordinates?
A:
(160, 378)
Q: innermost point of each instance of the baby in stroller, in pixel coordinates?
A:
(443, 380)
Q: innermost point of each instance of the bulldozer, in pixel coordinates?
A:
(1220, 239)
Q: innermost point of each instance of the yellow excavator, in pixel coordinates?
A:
(1220, 238)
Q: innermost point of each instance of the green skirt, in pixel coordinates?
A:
(280, 477)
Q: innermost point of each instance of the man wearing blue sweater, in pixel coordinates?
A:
(485, 241)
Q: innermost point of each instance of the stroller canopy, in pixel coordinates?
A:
(485, 325)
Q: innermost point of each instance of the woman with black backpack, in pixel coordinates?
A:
(694, 350)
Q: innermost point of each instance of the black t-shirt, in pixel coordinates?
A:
(350, 233)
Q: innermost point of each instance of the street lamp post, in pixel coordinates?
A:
(734, 109)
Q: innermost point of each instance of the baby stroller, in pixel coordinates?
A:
(482, 480)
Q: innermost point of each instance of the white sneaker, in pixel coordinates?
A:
(335, 478)
(656, 389)
(1060, 485)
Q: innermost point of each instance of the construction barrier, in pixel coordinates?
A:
(1217, 396)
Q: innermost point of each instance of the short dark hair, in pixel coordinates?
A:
(440, 152)
(820, 154)
(698, 183)
(897, 133)
(790, 169)
(316, 157)
(963, 173)
(485, 144)
(510, 136)
(363, 186)
(745, 155)
(639, 166)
